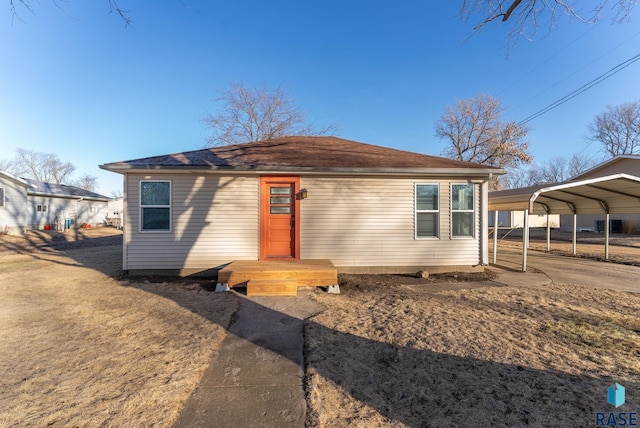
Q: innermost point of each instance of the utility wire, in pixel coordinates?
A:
(582, 89)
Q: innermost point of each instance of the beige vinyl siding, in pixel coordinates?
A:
(621, 166)
(214, 220)
(359, 222)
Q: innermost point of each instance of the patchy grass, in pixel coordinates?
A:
(81, 348)
(491, 356)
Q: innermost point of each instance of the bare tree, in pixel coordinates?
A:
(579, 163)
(554, 170)
(618, 129)
(10, 166)
(521, 176)
(115, 194)
(86, 182)
(526, 16)
(254, 114)
(477, 133)
(27, 5)
(46, 167)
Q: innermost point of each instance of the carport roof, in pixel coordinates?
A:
(619, 193)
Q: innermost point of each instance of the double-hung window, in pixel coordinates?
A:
(427, 210)
(155, 205)
(462, 210)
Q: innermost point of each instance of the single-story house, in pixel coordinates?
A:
(364, 207)
(27, 204)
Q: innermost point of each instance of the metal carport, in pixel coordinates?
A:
(613, 194)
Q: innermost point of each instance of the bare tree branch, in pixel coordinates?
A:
(476, 133)
(254, 114)
(524, 17)
(618, 129)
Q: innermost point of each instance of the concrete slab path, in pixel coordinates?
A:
(573, 270)
(256, 380)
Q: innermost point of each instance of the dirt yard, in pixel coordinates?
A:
(390, 354)
(81, 346)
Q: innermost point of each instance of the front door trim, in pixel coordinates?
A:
(264, 212)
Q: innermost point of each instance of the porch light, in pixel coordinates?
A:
(303, 193)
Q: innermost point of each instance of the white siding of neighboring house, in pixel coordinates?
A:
(214, 220)
(515, 219)
(13, 212)
(80, 211)
(369, 222)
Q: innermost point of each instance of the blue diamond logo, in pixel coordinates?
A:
(615, 395)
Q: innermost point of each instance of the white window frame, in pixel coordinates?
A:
(472, 211)
(41, 208)
(416, 211)
(142, 207)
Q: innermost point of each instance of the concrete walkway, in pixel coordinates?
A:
(257, 378)
(573, 270)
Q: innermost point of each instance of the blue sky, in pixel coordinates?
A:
(76, 82)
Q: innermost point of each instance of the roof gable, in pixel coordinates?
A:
(19, 181)
(298, 153)
(629, 164)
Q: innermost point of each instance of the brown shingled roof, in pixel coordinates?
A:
(302, 153)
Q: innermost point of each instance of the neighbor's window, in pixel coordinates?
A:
(155, 205)
(427, 210)
(1, 196)
(41, 208)
(462, 210)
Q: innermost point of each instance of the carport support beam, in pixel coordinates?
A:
(495, 237)
(548, 235)
(606, 236)
(525, 240)
(574, 233)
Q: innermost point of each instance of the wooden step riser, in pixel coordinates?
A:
(302, 279)
(271, 288)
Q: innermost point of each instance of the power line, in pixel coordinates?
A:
(583, 88)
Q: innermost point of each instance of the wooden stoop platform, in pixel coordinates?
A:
(278, 277)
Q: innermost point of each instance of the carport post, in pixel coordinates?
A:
(525, 240)
(548, 234)
(495, 237)
(575, 228)
(606, 237)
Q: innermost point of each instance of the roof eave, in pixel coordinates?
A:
(123, 169)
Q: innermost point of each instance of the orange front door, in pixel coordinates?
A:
(279, 223)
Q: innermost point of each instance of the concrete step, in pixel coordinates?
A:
(272, 287)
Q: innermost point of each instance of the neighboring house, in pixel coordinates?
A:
(29, 204)
(115, 212)
(515, 220)
(620, 223)
(366, 208)
(13, 203)
(48, 202)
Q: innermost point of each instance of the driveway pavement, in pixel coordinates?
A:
(574, 270)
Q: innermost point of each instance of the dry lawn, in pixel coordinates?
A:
(79, 347)
(386, 354)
